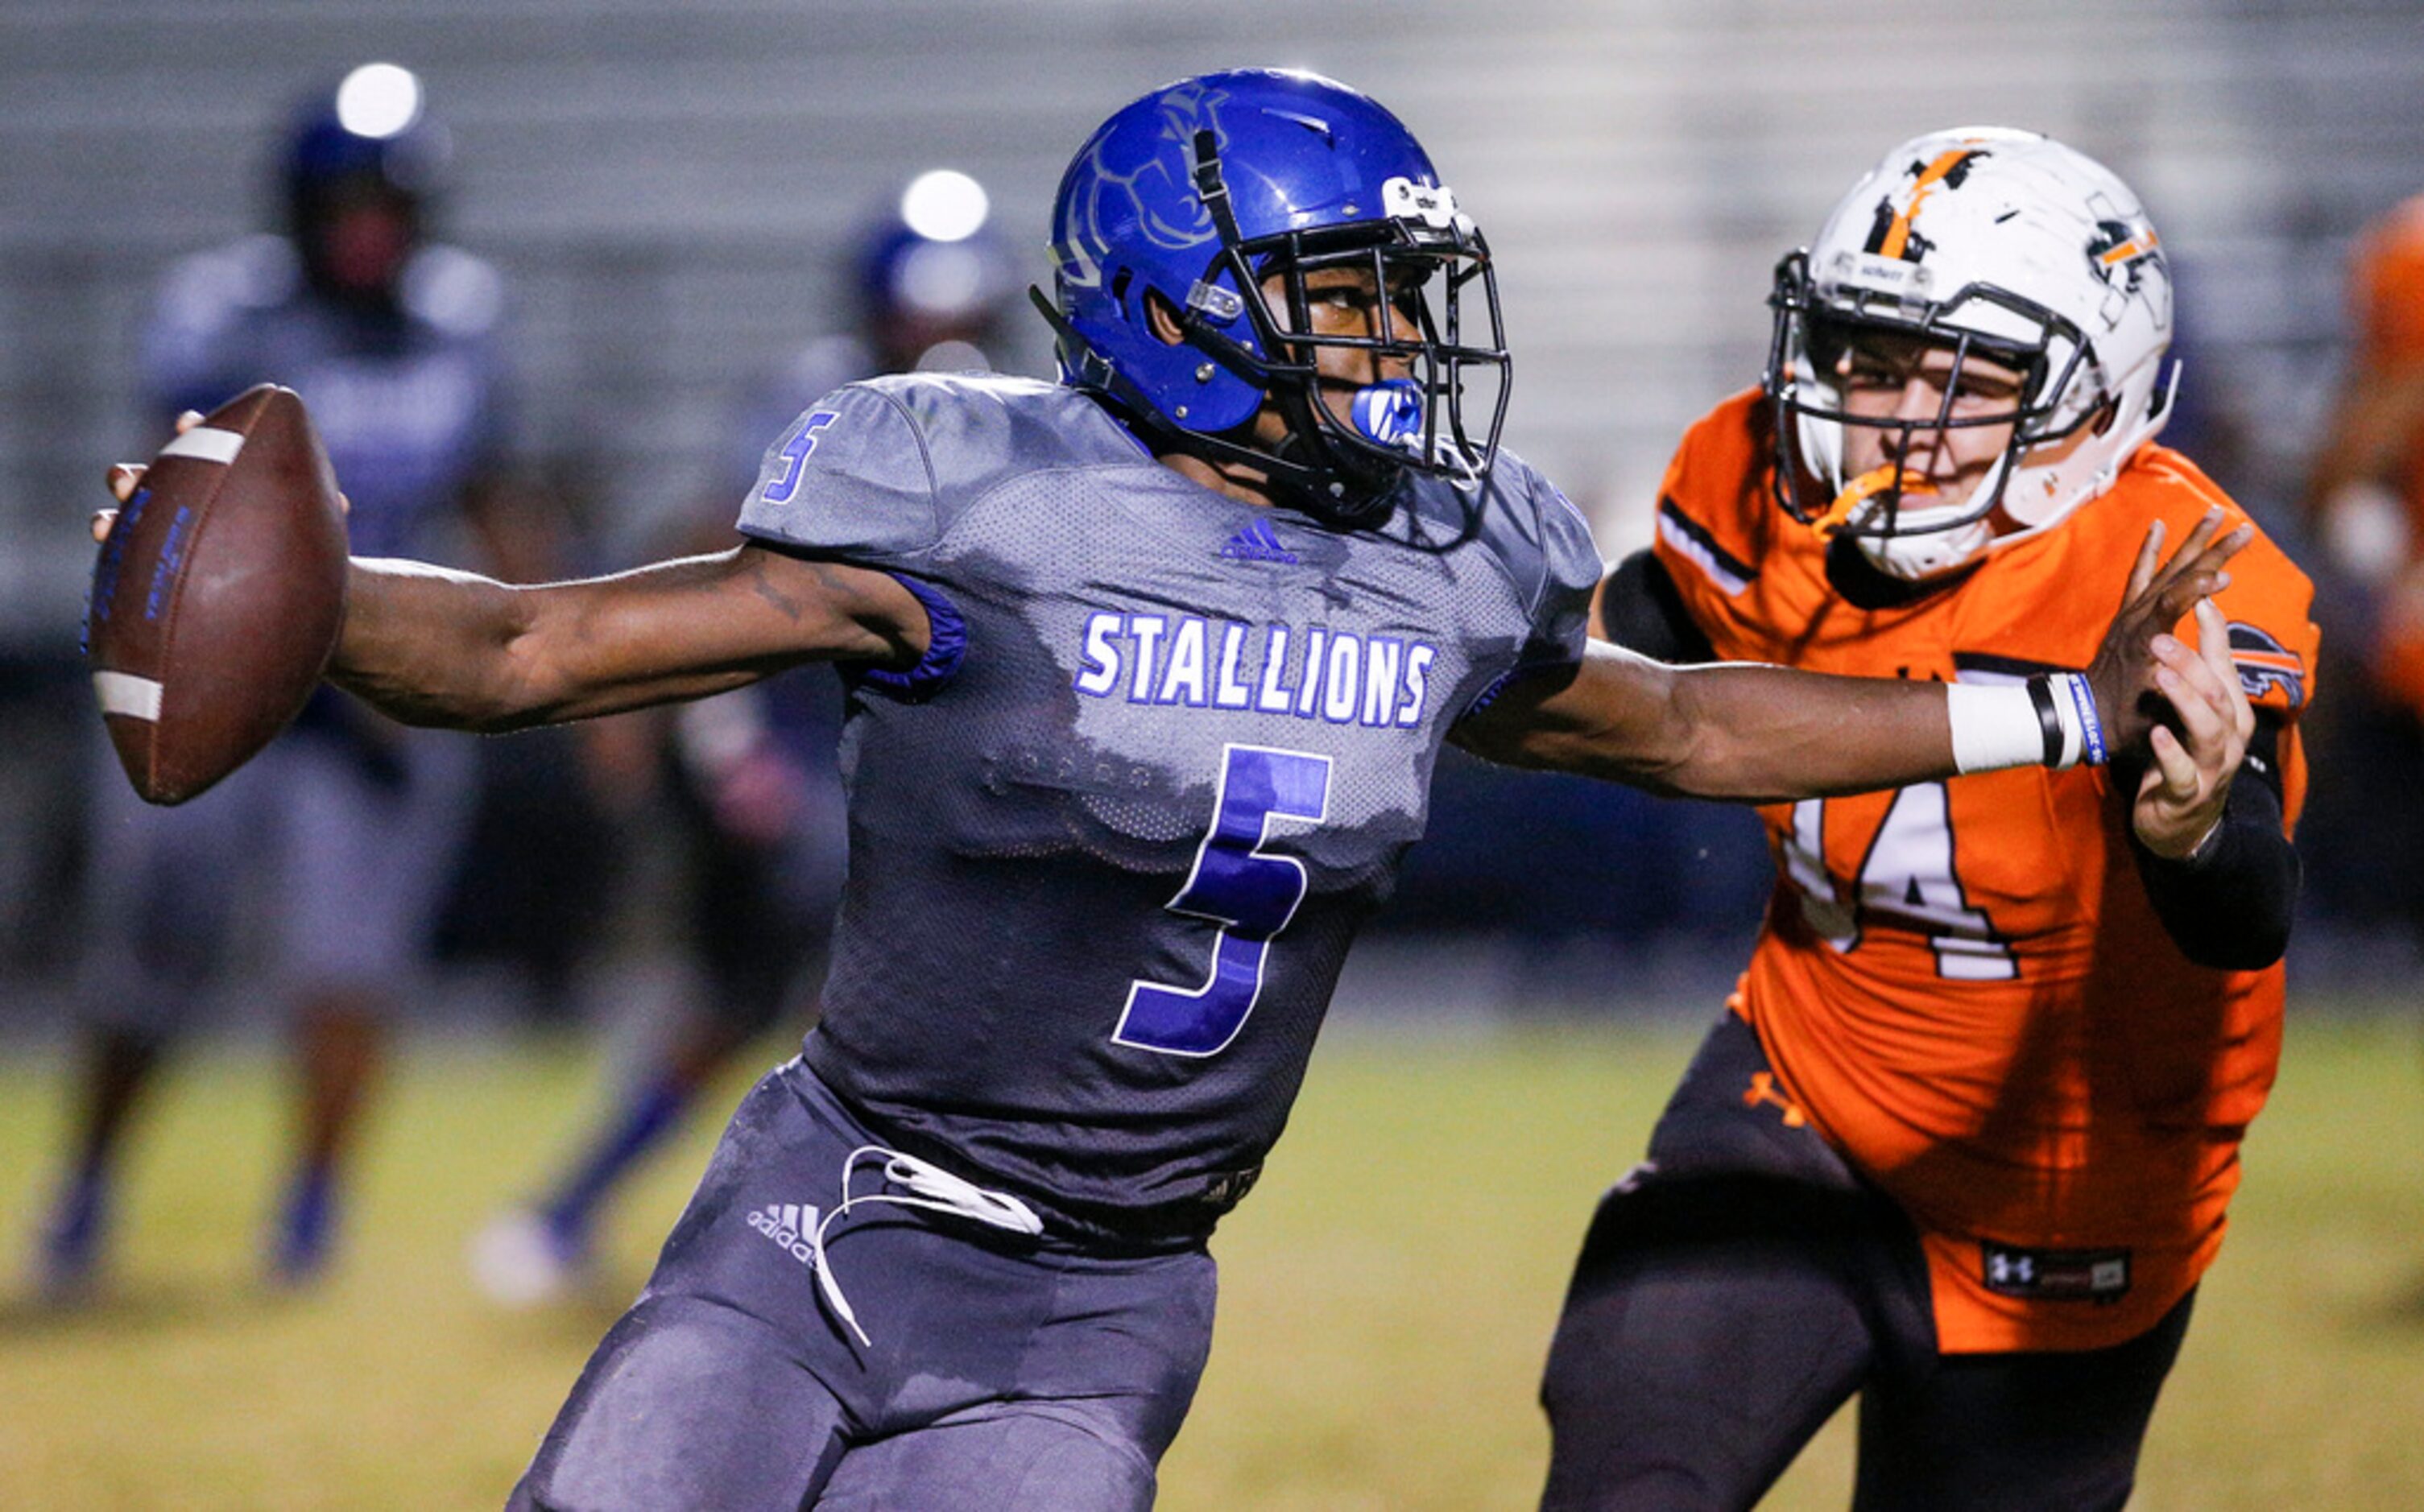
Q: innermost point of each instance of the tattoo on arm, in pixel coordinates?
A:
(762, 583)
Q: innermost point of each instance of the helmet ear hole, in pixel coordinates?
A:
(2106, 414)
(1828, 342)
(1162, 318)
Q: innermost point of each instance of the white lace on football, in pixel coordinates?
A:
(930, 1187)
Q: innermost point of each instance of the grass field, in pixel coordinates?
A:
(1386, 1293)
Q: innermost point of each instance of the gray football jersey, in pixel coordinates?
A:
(1110, 840)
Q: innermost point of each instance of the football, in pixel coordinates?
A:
(217, 596)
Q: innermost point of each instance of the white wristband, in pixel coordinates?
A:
(1994, 726)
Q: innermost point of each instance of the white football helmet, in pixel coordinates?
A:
(1987, 240)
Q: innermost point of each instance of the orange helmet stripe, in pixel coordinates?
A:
(2134, 247)
(1898, 235)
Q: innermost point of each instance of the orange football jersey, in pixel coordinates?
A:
(1963, 983)
(2386, 287)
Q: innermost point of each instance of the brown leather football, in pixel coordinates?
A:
(217, 597)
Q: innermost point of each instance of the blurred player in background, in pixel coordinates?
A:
(2365, 500)
(1149, 670)
(748, 781)
(1963, 1141)
(336, 839)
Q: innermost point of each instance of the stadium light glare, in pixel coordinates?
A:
(378, 99)
(944, 205)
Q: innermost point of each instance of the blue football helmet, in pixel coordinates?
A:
(934, 291)
(372, 130)
(1195, 194)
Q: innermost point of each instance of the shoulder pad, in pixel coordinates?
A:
(213, 287)
(461, 295)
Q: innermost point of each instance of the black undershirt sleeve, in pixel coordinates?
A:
(1642, 612)
(2229, 905)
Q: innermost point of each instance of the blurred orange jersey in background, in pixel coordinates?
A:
(2387, 288)
(1963, 983)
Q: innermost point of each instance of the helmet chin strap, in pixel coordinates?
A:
(1356, 492)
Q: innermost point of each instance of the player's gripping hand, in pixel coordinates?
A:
(125, 477)
(2181, 797)
(2125, 674)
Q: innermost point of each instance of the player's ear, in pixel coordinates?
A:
(1161, 317)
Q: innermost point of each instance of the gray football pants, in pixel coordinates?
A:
(1001, 1373)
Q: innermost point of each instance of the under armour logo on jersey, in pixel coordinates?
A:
(1762, 1088)
(2055, 1275)
(1258, 542)
(2264, 664)
(791, 1225)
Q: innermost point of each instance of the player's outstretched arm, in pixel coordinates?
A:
(1759, 734)
(428, 646)
(1736, 731)
(431, 646)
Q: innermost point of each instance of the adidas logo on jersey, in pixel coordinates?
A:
(790, 1225)
(1258, 542)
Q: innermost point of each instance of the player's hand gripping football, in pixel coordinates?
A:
(2127, 672)
(2180, 797)
(125, 477)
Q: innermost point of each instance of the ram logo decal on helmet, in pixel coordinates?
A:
(1135, 167)
(1185, 110)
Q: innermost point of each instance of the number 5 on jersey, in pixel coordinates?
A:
(1250, 894)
